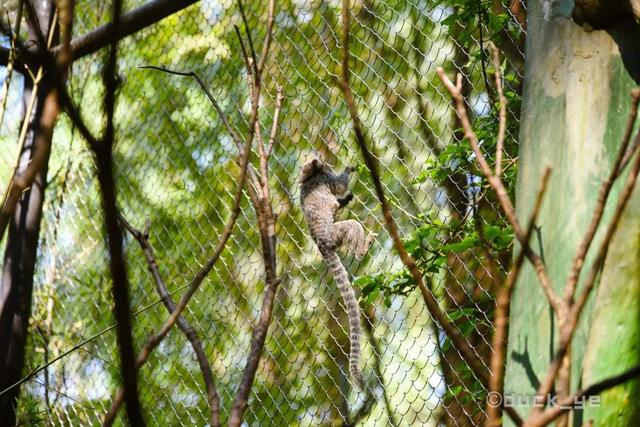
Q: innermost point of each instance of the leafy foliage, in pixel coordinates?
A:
(430, 245)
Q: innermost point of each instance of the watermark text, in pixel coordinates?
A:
(516, 400)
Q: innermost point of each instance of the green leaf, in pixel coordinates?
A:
(459, 313)
(456, 390)
(461, 246)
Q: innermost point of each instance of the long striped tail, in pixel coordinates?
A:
(351, 303)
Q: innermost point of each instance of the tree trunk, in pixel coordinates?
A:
(16, 285)
(574, 115)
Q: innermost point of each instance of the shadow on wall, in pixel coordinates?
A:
(626, 34)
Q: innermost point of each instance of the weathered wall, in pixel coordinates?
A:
(576, 101)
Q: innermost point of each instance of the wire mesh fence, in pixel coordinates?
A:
(175, 165)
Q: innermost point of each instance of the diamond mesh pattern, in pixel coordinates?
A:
(175, 165)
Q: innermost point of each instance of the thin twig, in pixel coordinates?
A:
(247, 30)
(483, 62)
(253, 177)
(243, 50)
(187, 329)
(262, 156)
(205, 89)
(502, 117)
(266, 46)
(275, 125)
(12, 56)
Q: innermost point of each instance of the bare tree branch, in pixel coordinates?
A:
(129, 23)
(266, 221)
(266, 46)
(253, 66)
(566, 311)
(187, 329)
(275, 125)
(568, 321)
(253, 177)
(372, 165)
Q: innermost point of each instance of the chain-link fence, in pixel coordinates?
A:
(176, 166)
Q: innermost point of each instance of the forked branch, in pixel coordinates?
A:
(142, 237)
(153, 341)
(259, 193)
(264, 213)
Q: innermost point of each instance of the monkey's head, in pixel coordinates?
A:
(310, 169)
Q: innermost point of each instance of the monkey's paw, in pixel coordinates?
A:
(343, 201)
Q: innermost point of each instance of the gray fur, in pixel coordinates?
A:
(323, 193)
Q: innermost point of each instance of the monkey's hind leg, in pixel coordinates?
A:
(350, 233)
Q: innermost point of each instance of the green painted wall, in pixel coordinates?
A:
(576, 102)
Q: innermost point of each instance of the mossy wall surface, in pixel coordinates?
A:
(576, 103)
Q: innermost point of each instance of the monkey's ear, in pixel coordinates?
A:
(309, 169)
